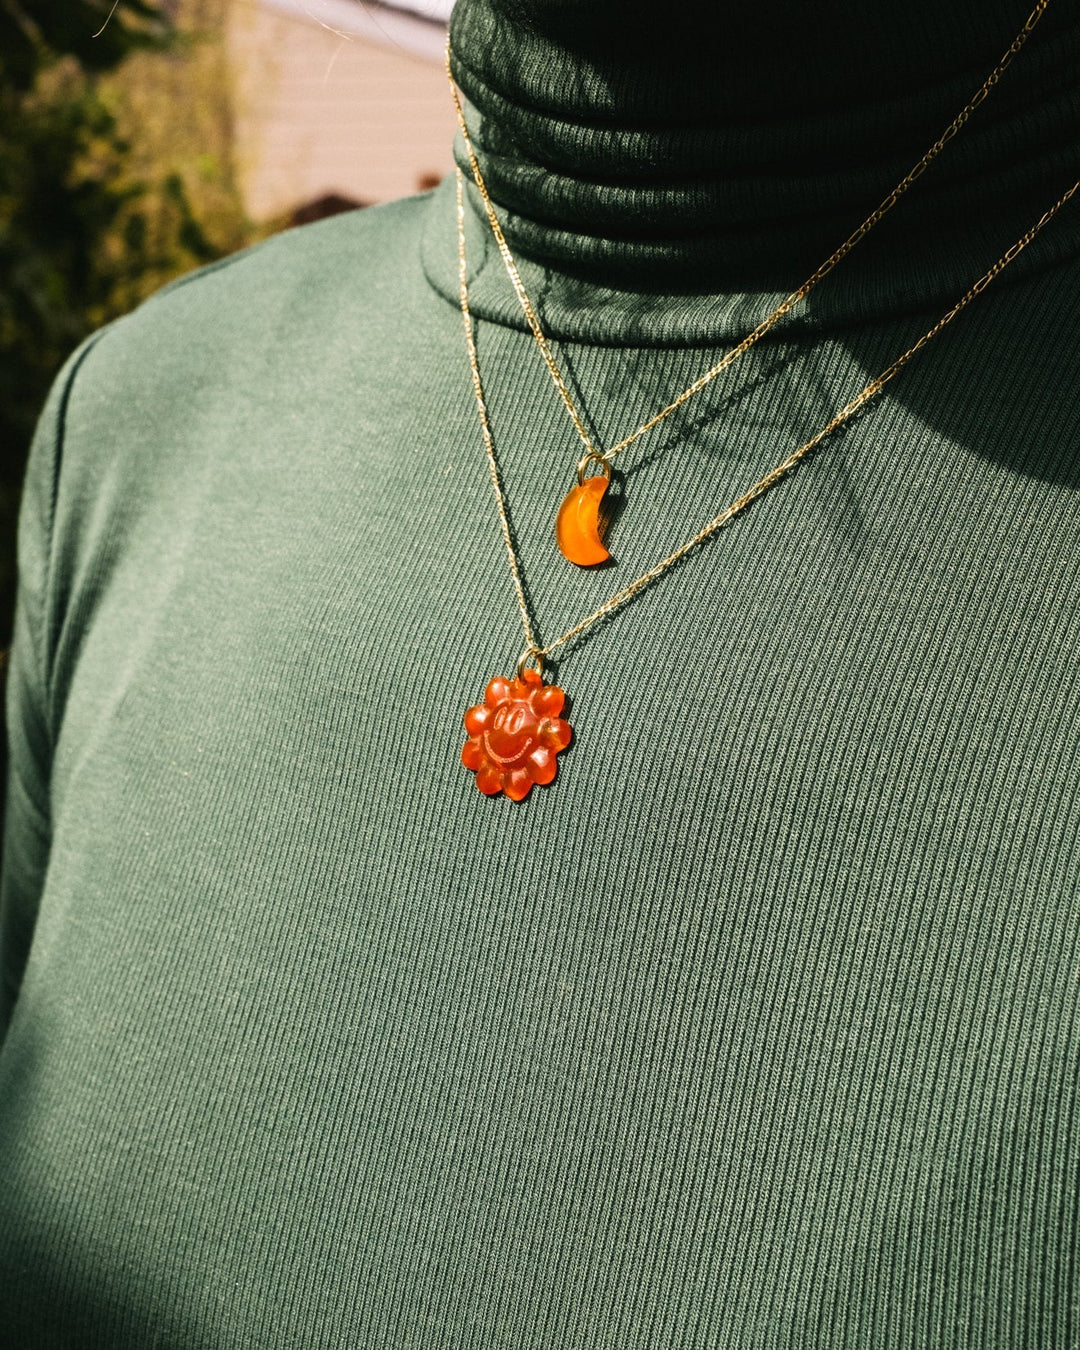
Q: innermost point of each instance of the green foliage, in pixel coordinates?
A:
(82, 236)
(97, 36)
(51, 217)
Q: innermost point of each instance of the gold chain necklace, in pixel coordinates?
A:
(516, 733)
(578, 523)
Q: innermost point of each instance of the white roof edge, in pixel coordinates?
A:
(438, 11)
(385, 24)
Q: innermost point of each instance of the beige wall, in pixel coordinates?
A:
(320, 113)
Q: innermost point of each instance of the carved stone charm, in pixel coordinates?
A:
(515, 734)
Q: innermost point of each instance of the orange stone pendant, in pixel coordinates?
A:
(577, 526)
(515, 734)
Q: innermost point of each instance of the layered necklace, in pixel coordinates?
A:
(516, 732)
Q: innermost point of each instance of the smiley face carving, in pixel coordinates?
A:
(515, 734)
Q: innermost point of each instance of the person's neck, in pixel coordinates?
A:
(723, 154)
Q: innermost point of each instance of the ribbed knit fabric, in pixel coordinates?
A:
(719, 147)
(759, 1027)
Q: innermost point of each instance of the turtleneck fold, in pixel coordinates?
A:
(635, 158)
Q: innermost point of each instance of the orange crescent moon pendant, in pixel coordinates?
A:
(577, 526)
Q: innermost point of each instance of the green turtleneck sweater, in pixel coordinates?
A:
(760, 1025)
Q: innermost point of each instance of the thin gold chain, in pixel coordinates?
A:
(848, 410)
(783, 308)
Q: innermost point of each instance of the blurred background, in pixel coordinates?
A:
(143, 139)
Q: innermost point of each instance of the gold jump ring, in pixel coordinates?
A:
(597, 457)
(530, 653)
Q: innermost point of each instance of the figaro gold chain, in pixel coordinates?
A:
(604, 458)
(516, 732)
(534, 650)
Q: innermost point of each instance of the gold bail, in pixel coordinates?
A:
(530, 653)
(596, 457)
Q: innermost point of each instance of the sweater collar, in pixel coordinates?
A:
(671, 187)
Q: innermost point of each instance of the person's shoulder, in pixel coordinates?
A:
(366, 239)
(310, 270)
(221, 336)
(238, 320)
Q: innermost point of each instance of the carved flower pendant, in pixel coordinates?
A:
(515, 734)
